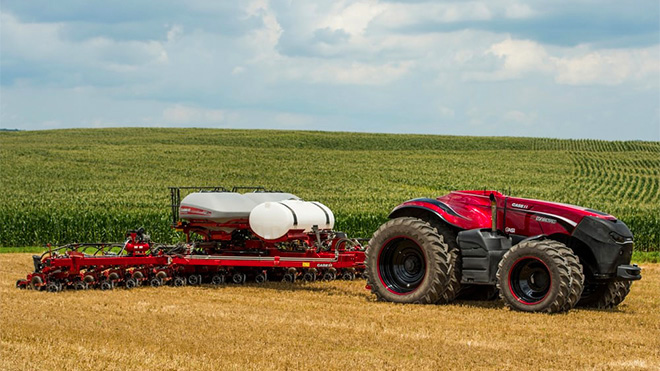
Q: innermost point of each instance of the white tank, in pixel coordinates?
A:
(224, 206)
(272, 220)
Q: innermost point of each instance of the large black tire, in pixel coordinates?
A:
(604, 295)
(577, 278)
(538, 276)
(455, 263)
(407, 262)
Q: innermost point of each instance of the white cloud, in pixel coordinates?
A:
(32, 41)
(44, 43)
(609, 67)
(353, 18)
(397, 15)
(174, 32)
(263, 41)
(520, 55)
(519, 11)
(570, 66)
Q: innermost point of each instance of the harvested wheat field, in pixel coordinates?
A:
(333, 325)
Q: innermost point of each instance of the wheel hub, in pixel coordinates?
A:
(530, 280)
(411, 264)
(401, 265)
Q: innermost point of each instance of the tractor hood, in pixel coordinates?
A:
(543, 211)
(472, 209)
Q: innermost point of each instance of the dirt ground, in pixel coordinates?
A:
(334, 325)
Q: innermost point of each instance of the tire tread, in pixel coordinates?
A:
(570, 273)
(419, 230)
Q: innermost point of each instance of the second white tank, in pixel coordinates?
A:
(272, 220)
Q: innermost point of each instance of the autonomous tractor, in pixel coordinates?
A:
(540, 256)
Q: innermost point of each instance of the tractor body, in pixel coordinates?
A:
(479, 228)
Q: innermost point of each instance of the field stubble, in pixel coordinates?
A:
(333, 325)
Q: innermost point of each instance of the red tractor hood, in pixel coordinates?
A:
(472, 209)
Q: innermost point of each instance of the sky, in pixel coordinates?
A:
(559, 69)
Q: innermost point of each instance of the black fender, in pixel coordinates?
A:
(429, 209)
(610, 242)
(538, 237)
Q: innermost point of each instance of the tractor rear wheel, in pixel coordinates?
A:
(538, 276)
(604, 295)
(455, 263)
(408, 262)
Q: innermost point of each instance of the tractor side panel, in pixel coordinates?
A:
(533, 224)
(531, 218)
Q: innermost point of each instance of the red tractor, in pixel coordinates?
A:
(541, 256)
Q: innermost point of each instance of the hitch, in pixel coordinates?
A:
(629, 272)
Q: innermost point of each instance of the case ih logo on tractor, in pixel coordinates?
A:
(541, 256)
(555, 256)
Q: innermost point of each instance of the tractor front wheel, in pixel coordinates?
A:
(407, 262)
(538, 276)
(604, 295)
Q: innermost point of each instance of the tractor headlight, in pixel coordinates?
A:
(619, 238)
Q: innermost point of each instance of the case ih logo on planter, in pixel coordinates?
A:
(194, 211)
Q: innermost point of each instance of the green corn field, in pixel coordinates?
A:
(92, 185)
